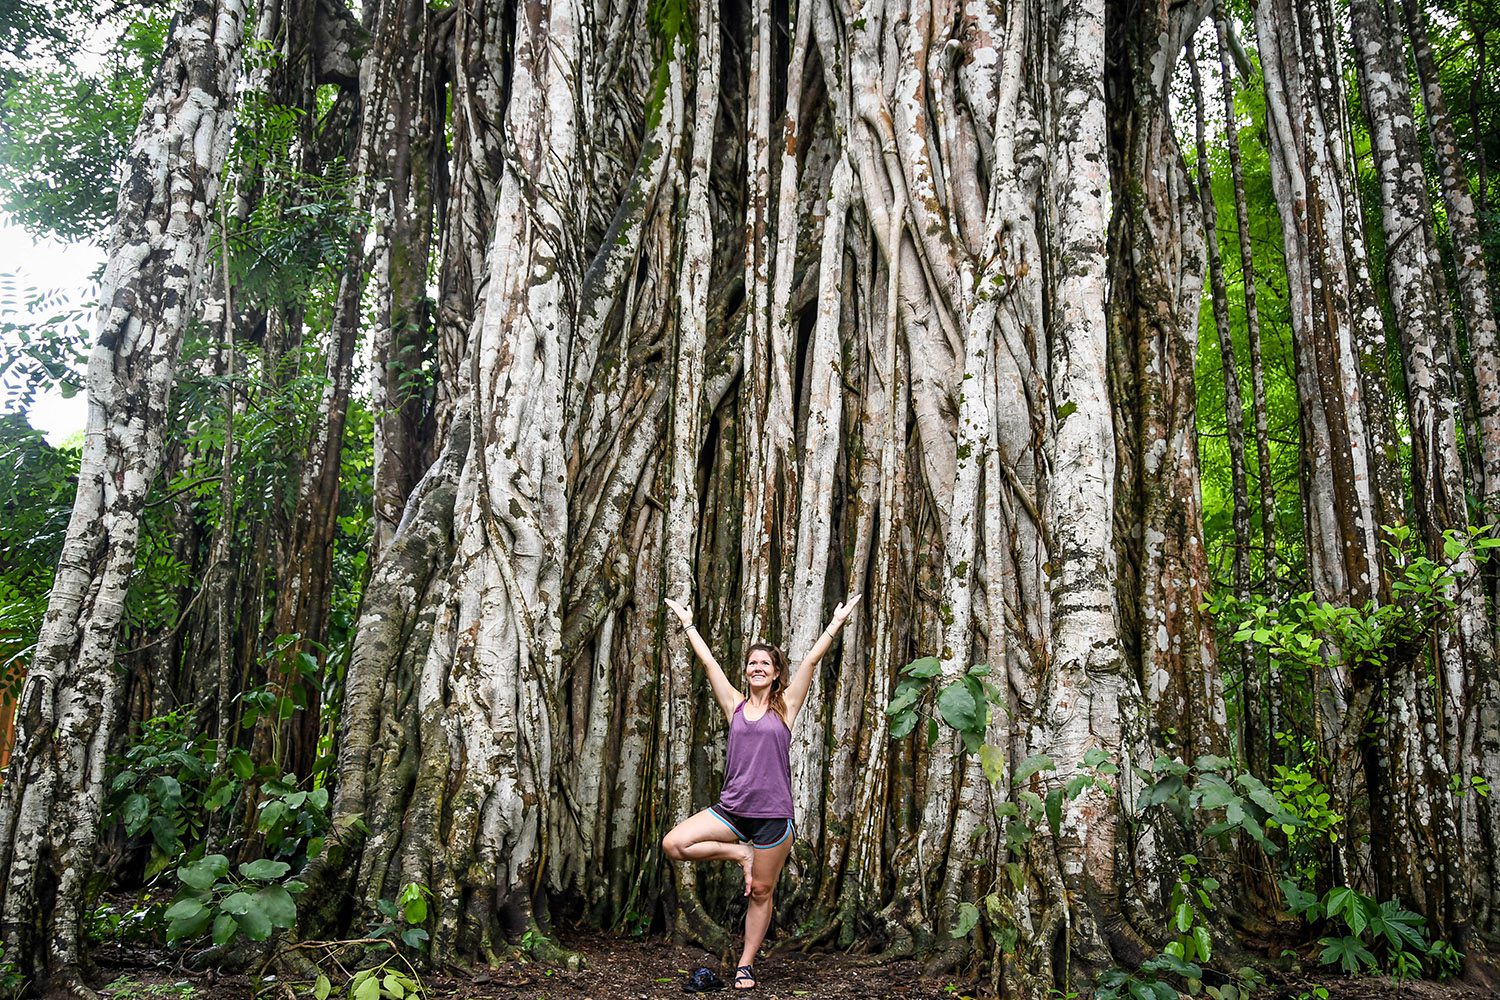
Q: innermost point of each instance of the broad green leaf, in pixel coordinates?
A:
(368, 990)
(254, 920)
(1032, 765)
(968, 917)
(185, 909)
(168, 791)
(224, 929)
(924, 668)
(1054, 811)
(901, 702)
(321, 987)
(992, 761)
(189, 924)
(264, 869)
(1094, 756)
(1205, 943)
(278, 906)
(242, 765)
(415, 910)
(957, 707)
(204, 872)
(136, 814)
(1078, 784)
(902, 725)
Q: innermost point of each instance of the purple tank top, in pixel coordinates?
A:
(758, 767)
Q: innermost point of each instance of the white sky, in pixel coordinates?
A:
(44, 266)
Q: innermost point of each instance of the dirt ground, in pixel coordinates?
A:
(628, 969)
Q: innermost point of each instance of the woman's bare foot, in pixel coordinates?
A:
(747, 862)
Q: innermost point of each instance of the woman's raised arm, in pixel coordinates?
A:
(726, 694)
(796, 691)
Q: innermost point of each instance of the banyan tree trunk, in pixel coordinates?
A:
(54, 787)
(860, 346)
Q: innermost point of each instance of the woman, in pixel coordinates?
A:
(752, 822)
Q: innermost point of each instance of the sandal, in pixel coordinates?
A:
(746, 972)
(703, 980)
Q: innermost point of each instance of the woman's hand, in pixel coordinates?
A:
(683, 614)
(843, 611)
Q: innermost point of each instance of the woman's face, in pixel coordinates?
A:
(760, 670)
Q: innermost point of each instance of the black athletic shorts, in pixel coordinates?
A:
(761, 833)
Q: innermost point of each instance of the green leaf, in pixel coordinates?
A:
(968, 917)
(902, 725)
(168, 792)
(185, 909)
(204, 872)
(901, 702)
(957, 707)
(1337, 900)
(189, 921)
(237, 903)
(1347, 952)
(136, 814)
(254, 920)
(272, 816)
(164, 835)
(1054, 811)
(278, 906)
(368, 990)
(1032, 765)
(242, 765)
(924, 668)
(264, 869)
(1161, 791)
(321, 987)
(224, 929)
(1183, 918)
(992, 761)
(1205, 943)
(932, 732)
(415, 910)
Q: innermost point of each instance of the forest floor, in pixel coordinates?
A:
(631, 969)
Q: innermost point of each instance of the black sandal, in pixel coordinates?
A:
(746, 972)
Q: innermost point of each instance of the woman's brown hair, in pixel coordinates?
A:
(778, 660)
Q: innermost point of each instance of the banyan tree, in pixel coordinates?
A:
(765, 304)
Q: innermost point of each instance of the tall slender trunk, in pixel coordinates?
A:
(1234, 407)
(1438, 487)
(401, 105)
(1270, 568)
(54, 788)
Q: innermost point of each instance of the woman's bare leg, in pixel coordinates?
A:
(765, 870)
(703, 836)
